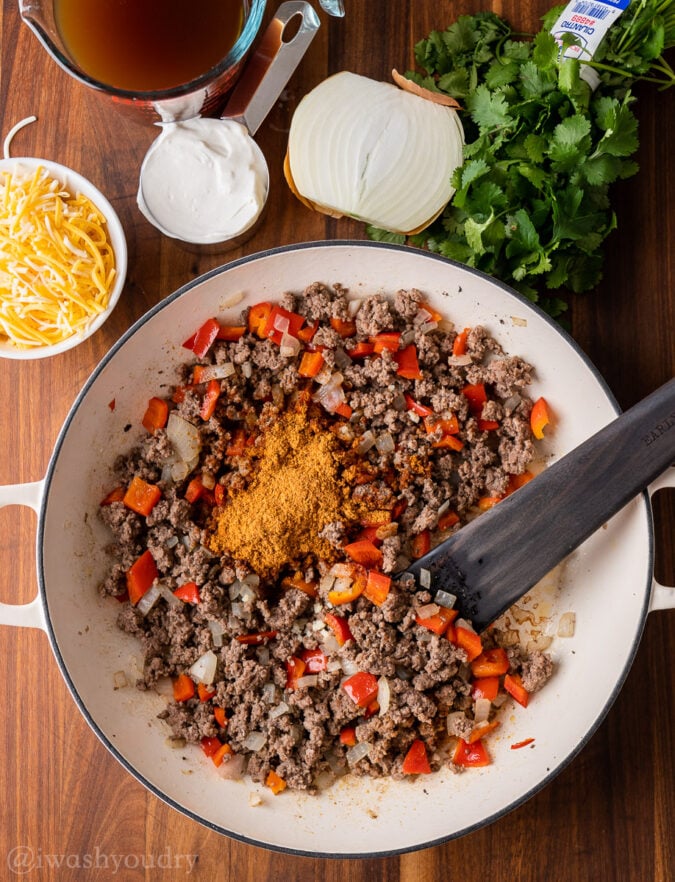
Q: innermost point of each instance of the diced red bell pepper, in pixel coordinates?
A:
(295, 322)
(435, 315)
(220, 716)
(361, 350)
(476, 395)
(372, 709)
(480, 730)
(447, 426)
(514, 686)
(485, 687)
(275, 782)
(296, 581)
(518, 481)
(196, 490)
(438, 623)
(344, 410)
(348, 595)
(408, 365)
(116, 495)
(205, 692)
(377, 587)
(348, 736)
(156, 415)
(448, 519)
(361, 688)
(315, 660)
(256, 639)
(416, 761)
(420, 409)
(295, 668)
(219, 494)
(539, 418)
(469, 641)
(340, 628)
(488, 425)
(485, 503)
(183, 688)
(386, 340)
(520, 744)
(179, 393)
(210, 400)
(231, 333)
(140, 576)
(490, 663)
(369, 534)
(223, 751)
(237, 446)
(141, 497)
(188, 593)
(310, 364)
(344, 328)
(210, 745)
(257, 317)
(459, 343)
(421, 544)
(365, 553)
(203, 340)
(471, 755)
(307, 333)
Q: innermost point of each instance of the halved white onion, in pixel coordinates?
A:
(374, 152)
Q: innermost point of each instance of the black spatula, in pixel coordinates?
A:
(492, 561)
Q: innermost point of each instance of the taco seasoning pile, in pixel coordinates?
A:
(305, 457)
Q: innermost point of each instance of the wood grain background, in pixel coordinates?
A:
(611, 813)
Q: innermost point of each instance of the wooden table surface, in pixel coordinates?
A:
(611, 813)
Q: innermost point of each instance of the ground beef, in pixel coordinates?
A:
(407, 478)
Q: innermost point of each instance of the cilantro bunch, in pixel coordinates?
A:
(542, 150)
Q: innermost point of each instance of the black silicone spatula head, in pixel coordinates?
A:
(494, 560)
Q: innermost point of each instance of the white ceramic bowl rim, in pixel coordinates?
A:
(74, 181)
(555, 769)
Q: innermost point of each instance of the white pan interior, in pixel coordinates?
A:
(606, 583)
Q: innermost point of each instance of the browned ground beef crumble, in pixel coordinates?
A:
(428, 676)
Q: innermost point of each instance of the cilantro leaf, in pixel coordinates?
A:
(489, 110)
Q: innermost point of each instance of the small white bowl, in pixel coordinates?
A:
(74, 183)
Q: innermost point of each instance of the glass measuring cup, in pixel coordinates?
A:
(201, 96)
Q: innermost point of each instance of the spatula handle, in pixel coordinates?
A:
(502, 554)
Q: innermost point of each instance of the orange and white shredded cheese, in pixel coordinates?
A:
(57, 264)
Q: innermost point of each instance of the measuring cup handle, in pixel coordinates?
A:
(663, 596)
(27, 615)
(271, 66)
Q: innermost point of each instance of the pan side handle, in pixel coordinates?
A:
(663, 596)
(25, 615)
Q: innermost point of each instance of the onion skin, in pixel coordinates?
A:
(409, 86)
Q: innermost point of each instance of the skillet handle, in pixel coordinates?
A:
(663, 596)
(26, 615)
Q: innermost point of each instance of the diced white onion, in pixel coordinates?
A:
(383, 695)
(385, 443)
(306, 682)
(342, 584)
(254, 741)
(119, 680)
(567, 624)
(289, 346)
(217, 371)
(421, 316)
(208, 479)
(234, 590)
(425, 578)
(443, 507)
(169, 596)
(247, 595)
(184, 437)
(217, 632)
(232, 766)
(349, 667)
(462, 623)
(247, 369)
(254, 799)
(358, 752)
(425, 637)
(269, 692)
(444, 598)
(341, 570)
(353, 306)
(366, 441)
(278, 711)
(323, 376)
(204, 669)
(326, 582)
(428, 610)
(149, 599)
(334, 665)
(238, 610)
(263, 653)
(281, 323)
(459, 360)
(427, 327)
(481, 709)
(453, 719)
(329, 644)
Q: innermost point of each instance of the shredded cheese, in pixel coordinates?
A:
(57, 264)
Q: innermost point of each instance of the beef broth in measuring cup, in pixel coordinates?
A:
(171, 59)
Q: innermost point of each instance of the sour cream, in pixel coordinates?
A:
(203, 181)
